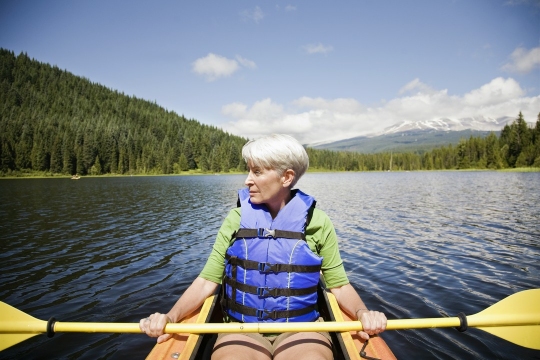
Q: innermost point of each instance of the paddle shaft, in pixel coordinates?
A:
(515, 318)
(402, 324)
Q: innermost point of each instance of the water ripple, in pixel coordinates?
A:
(434, 244)
(414, 245)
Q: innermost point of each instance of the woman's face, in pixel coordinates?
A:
(267, 186)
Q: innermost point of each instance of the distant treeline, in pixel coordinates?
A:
(53, 122)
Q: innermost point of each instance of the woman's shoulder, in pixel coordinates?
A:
(318, 221)
(234, 215)
(319, 216)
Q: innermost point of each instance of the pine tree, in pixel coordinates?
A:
(493, 155)
(96, 167)
(6, 157)
(518, 139)
(23, 149)
(464, 159)
(183, 163)
(57, 157)
(536, 143)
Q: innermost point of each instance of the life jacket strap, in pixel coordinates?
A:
(265, 292)
(268, 268)
(267, 233)
(262, 314)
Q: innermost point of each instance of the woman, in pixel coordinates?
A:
(268, 254)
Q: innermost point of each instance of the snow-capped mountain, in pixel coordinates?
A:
(419, 135)
(478, 123)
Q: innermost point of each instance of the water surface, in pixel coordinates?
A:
(415, 245)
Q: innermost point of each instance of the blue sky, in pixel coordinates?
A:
(317, 70)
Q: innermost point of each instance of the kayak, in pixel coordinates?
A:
(346, 345)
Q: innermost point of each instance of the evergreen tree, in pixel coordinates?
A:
(536, 143)
(493, 155)
(464, 158)
(518, 138)
(24, 148)
(96, 167)
(57, 156)
(183, 163)
(6, 157)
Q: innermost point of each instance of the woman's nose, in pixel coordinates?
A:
(248, 180)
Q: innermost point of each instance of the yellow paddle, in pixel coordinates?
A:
(515, 318)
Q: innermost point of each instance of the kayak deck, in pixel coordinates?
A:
(347, 345)
(186, 346)
(349, 342)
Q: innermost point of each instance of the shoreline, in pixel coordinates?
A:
(198, 173)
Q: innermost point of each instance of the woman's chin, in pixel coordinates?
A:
(255, 200)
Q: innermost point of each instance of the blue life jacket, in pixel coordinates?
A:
(271, 274)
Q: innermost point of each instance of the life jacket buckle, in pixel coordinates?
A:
(266, 233)
(266, 314)
(265, 292)
(265, 267)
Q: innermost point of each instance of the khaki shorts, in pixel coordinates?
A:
(271, 341)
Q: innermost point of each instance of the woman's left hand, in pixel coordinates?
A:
(373, 322)
(154, 325)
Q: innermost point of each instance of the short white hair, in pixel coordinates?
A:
(277, 152)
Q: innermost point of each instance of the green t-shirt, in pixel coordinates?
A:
(320, 236)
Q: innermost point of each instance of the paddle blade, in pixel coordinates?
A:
(8, 340)
(17, 326)
(515, 318)
(527, 336)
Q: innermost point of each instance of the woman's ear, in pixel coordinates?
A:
(288, 177)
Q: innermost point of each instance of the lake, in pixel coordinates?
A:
(414, 244)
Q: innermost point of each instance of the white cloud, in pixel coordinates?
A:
(235, 110)
(534, 3)
(523, 61)
(416, 85)
(290, 8)
(338, 105)
(254, 15)
(214, 66)
(317, 48)
(312, 120)
(499, 90)
(245, 62)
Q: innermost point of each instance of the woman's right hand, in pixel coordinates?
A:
(154, 325)
(373, 323)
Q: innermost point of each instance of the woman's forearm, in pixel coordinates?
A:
(373, 322)
(193, 298)
(349, 300)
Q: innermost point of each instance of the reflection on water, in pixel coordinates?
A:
(414, 245)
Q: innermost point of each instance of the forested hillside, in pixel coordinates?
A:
(53, 122)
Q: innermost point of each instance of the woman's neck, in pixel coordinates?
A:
(280, 204)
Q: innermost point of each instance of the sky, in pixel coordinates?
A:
(317, 70)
